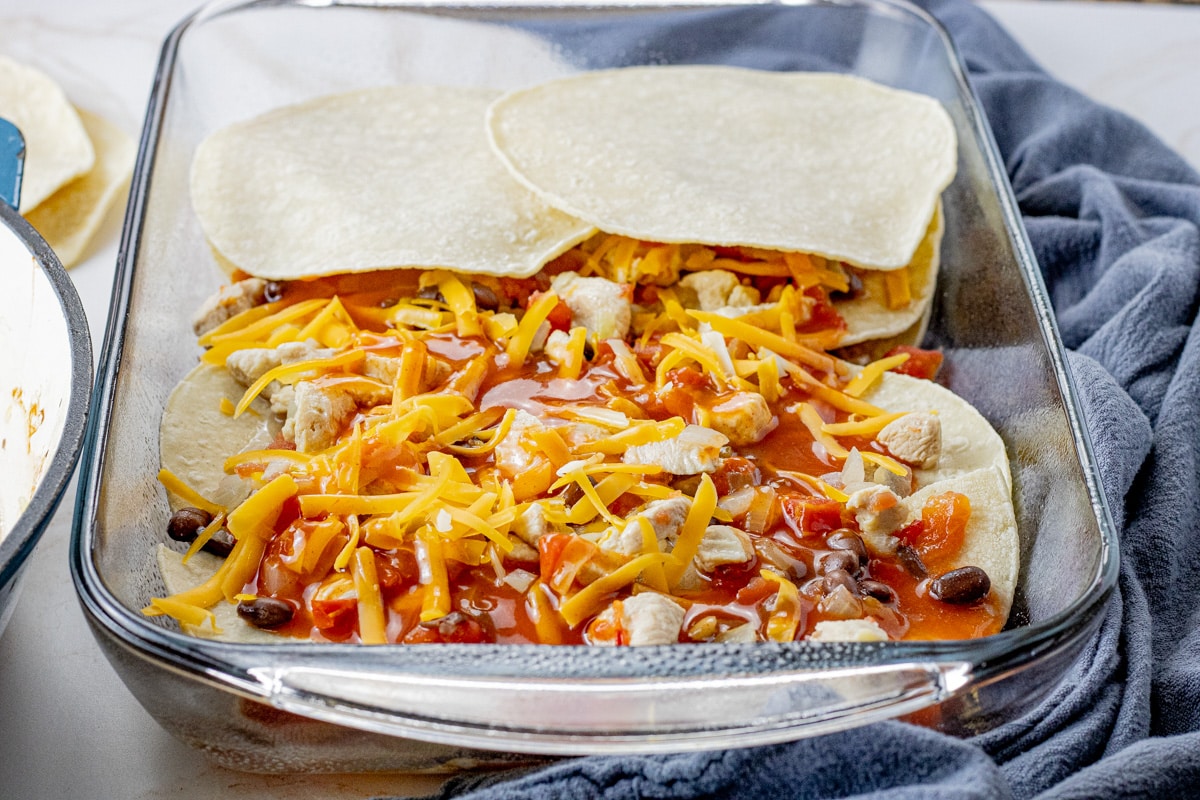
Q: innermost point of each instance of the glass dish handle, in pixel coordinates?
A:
(573, 717)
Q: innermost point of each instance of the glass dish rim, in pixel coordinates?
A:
(215, 661)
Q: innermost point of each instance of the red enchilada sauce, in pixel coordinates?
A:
(805, 543)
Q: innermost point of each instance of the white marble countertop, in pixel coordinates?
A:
(68, 726)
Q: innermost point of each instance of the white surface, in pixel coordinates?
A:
(68, 727)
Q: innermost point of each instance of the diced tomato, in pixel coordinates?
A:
(467, 632)
(422, 635)
(807, 515)
(624, 504)
(518, 290)
(275, 577)
(686, 376)
(824, 315)
(735, 473)
(756, 591)
(945, 518)
(727, 576)
(550, 548)
(678, 397)
(921, 363)
(396, 569)
(335, 614)
(559, 317)
(912, 532)
(609, 631)
(280, 443)
(646, 295)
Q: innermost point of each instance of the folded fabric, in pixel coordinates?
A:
(1114, 218)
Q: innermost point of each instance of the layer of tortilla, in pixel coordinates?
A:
(70, 217)
(868, 316)
(969, 442)
(812, 162)
(400, 176)
(57, 148)
(196, 437)
(179, 577)
(990, 542)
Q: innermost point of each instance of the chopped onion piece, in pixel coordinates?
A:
(761, 513)
(520, 580)
(854, 470)
(737, 503)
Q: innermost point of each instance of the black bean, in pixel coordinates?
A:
(266, 612)
(844, 560)
(880, 591)
(961, 586)
(838, 577)
(220, 543)
(910, 559)
(186, 524)
(485, 298)
(273, 292)
(571, 494)
(431, 293)
(854, 288)
(846, 539)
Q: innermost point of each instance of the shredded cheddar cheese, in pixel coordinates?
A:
(453, 463)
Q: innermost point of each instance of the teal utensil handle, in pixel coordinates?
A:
(12, 163)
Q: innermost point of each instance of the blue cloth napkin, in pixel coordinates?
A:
(1114, 217)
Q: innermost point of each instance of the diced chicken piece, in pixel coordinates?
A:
(915, 439)
(848, 630)
(556, 347)
(603, 307)
(229, 302)
(665, 516)
(247, 366)
(745, 418)
(650, 618)
(900, 484)
(718, 288)
(877, 509)
(282, 398)
(381, 368)
(436, 372)
(510, 455)
(693, 451)
(578, 434)
(531, 525)
(743, 296)
(291, 352)
(723, 544)
(522, 553)
(316, 416)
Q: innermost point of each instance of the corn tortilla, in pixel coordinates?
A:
(399, 176)
(806, 162)
(70, 217)
(57, 148)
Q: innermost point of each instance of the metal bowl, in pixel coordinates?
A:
(45, 383)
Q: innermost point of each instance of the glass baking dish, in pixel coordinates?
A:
(296, 706)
